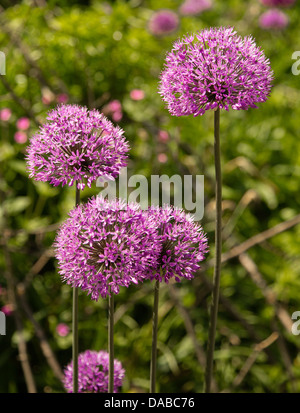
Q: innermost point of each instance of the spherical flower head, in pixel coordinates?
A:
(194, 7)
(20, 136)
(62, 98)
(5, 114)
(277, 3)
(213, 69)
(93, 369)
(47, 96)
(114, 109)
(23, 123)
(76, 144)
(7, 309)
(163, 136)
(163, 22)
(182, 241)
(62, 329)
(273, 19)
(137, 94)
(114, 106)
(162, 158)
(104, 245)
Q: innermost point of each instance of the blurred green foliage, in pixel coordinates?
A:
(96, 52)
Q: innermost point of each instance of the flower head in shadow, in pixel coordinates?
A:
(93, 369)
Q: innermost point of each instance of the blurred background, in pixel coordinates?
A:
(108, 55)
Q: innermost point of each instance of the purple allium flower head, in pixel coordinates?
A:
(23, 123)
(20, 136)
(182, 244)
(137, 94)
(163, 22)
(273, 19)
(62, 329)
(277, 3)
(114, 109)
(62, 98)
(5, 114)
(214, 68)
(105, 244)
(192, 7)
(76, 144)
(93, 369)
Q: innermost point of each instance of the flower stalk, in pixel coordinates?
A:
(154, 339)
(211, 70)
(218, 252)
(75, 319)
(182, 246)
(111, 342)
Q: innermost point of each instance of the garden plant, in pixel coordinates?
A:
(103, 287)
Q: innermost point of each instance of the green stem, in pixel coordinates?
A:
(154, 340)
(111, 342)
(218, 251)
(75, 320)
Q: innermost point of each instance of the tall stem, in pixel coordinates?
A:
(75, 319)
(218, 251)
(111, 342)
(154, 340)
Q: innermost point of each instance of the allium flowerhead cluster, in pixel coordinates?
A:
(182, 244)
(93, 369)
(273, 19)
(104, 245)
(212, 69)
(76, 144)
(163, 22)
